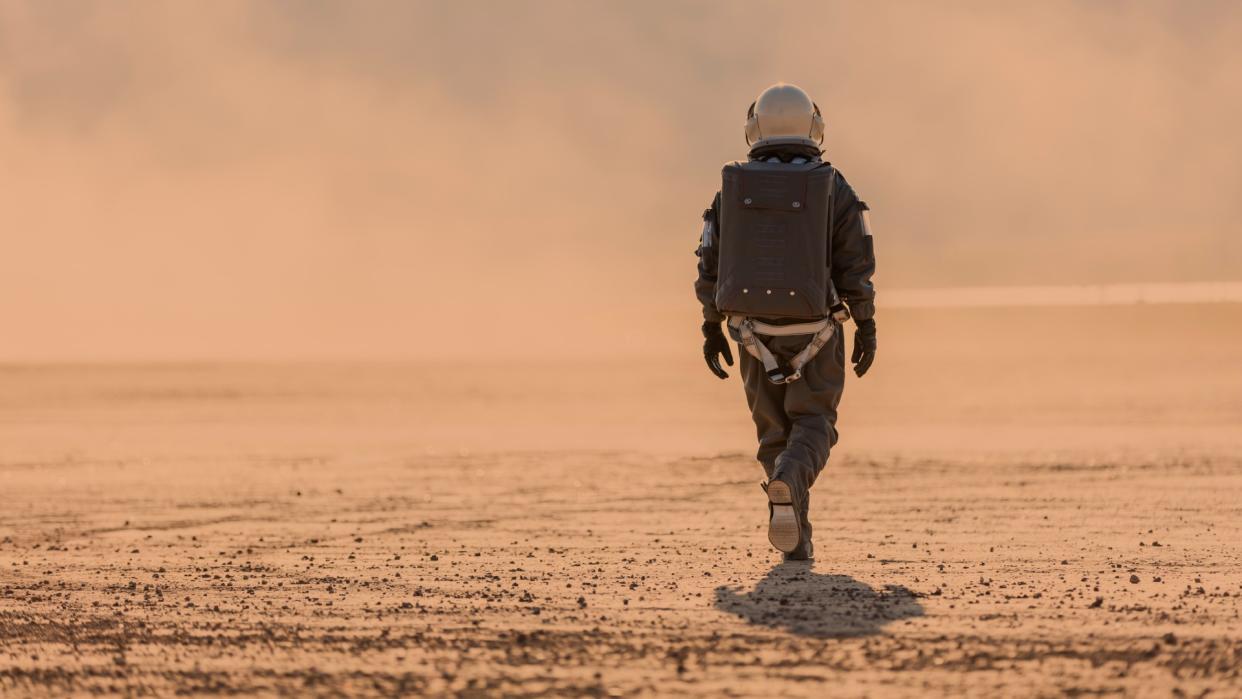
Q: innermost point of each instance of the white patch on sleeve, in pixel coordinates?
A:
(705, 241)
(866, 222)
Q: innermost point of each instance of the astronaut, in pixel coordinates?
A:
(786, 258)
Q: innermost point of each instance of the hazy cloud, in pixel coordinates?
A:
(332, 178)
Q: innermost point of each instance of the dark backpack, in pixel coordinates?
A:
(774, 240)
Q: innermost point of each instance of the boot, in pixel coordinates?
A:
(805, 550)
(787, 498)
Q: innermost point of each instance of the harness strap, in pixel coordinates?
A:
(747, 329)
(770, 330)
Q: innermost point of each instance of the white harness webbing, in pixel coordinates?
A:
(747, 328)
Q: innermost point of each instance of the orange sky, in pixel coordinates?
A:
(313, 180)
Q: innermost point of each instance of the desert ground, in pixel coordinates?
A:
(1024, 502)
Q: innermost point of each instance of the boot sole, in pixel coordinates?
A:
(783, 528)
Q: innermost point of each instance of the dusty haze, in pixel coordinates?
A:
(323, 180)
(349, 349)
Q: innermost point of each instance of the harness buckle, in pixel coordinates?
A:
(780, 378)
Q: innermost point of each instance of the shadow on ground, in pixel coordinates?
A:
(795, 598)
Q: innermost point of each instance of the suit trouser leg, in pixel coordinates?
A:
(767, 409)
(796, 422)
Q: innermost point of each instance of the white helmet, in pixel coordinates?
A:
(784, 114)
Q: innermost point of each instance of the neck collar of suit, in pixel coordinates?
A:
(786, 152)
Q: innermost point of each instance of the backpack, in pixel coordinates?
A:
(774, 240)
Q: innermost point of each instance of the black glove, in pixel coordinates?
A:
(864, 346)
(715, 344)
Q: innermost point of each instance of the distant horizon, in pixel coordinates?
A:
(910, 301)
(1127, 294)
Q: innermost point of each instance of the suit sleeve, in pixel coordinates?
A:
(709, 262)
(853, 252)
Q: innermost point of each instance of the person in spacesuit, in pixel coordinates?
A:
(785, 259)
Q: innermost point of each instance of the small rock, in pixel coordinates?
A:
(1133, 578)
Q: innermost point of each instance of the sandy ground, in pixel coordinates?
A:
(1024, 503)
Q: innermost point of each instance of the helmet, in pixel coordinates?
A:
(784, 114)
